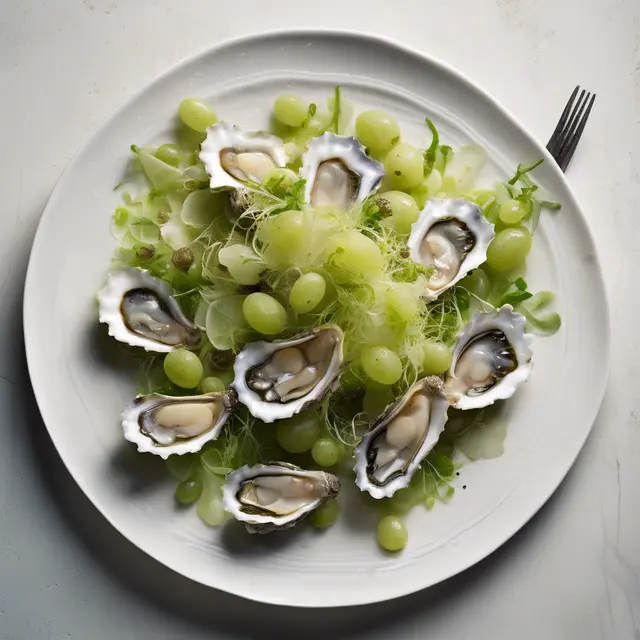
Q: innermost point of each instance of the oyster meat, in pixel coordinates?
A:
(399, 440)
(166, 425)
(277, 495)
(492, 356)
(338, 172)
(452, 236)
(275, 380)
(140, 310)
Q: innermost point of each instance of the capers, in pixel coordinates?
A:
(146, 252)
(182, 258)
(163, 217)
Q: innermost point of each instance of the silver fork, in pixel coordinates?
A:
(568, 132)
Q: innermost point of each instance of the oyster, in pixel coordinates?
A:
(166, 425)
(492, 356)
(392, 450)
(339, 172)
(275, 380)
(234, 158)
(452, 236)
(141, 311)
(277, 495)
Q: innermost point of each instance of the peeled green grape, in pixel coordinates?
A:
(509, 249)
(325, 515)
(381, 364)
(352, 256)
(404, 166)
(197, 114)
(212, 385)
(436, 358)
(299, 433)
(326, 452)
(392, 533)
(377, 130)
(169, 153)
(401, 302)
(307, 292)
(404, 210)
(290, 110)
(284, 235)
(189, 491)
(242, 262)
(264, 313)
(183, 368)
(513, 211)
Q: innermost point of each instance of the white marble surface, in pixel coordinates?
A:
(574, 571)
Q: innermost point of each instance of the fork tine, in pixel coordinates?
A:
(555, 136)
(572, 125)
(572, 142)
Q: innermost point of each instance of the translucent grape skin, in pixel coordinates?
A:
(351, 256)
(264, 313)
(299, 433)
(242, 263)
(307, 292)
(513, 211)
(189, 491)
(404, 210)
(169, 153)
(437, 358)
(377, 130)
(402, 302)
(183, 368)
(212, 385)
(326, 452)
(381, 364)
(325, 515)
(290, 109)
(392, 533)
(509, 249)
(197, 114)
(404, 166)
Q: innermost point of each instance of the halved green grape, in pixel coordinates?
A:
(169, 153)
(404, 166)
(402, 302)
(325, 515)
(197, 114)
(352, 256)
(264, 313)
(225, 324)
(183, 368)
(392, 533)
(212, 385)
(381, 364)
(509, 249)
(189, 491)
(298, 434)
(404, 210)
(242, 262)
(437, 358)
(326, 452)
(513, 211)
(307, 292)
(290, 109)
(377, 130)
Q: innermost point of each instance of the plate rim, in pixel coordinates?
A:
(421, 58)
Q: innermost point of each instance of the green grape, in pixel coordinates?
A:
(513, 211)
(290, 110)
(279, 178)
(210, 509)
(298, 434)
(183, 368)
(120, 216)
(325, 515)
(509, 249)
(436, 358)
(402, 302)
(242, 262)
(197, 114)
(381, 364)
(352, 256)
(377, 130)
(212, 385)
(264, 313)
(307, 292)
(392, 533)
(326, 452)
(189, 491)
(182, 467)
(427, 189)
(404, 166)
(404, 210)
(169, 153)
(285, 234)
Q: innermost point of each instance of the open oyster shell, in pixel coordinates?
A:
(452, 236)
(140, 310)
(275, 380)
(167, 425)
(338, 172)
(492, 356)
(400, 439)
(277, 495)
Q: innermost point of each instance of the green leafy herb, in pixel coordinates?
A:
(312, 109)
(337, 98)
(431, 153)
(516, 293)
(523, 171)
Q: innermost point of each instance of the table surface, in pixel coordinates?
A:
(573, 572)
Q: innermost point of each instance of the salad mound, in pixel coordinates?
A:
(289, 232)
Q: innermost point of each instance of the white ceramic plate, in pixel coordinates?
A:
(81, 390)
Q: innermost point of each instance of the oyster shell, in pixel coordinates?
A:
(277, 495)
(140, 310)
(400, 439)
(452, 236)
(234, 158)
(339, 172)
(492, 356)
(275, 380)
(166, 425)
